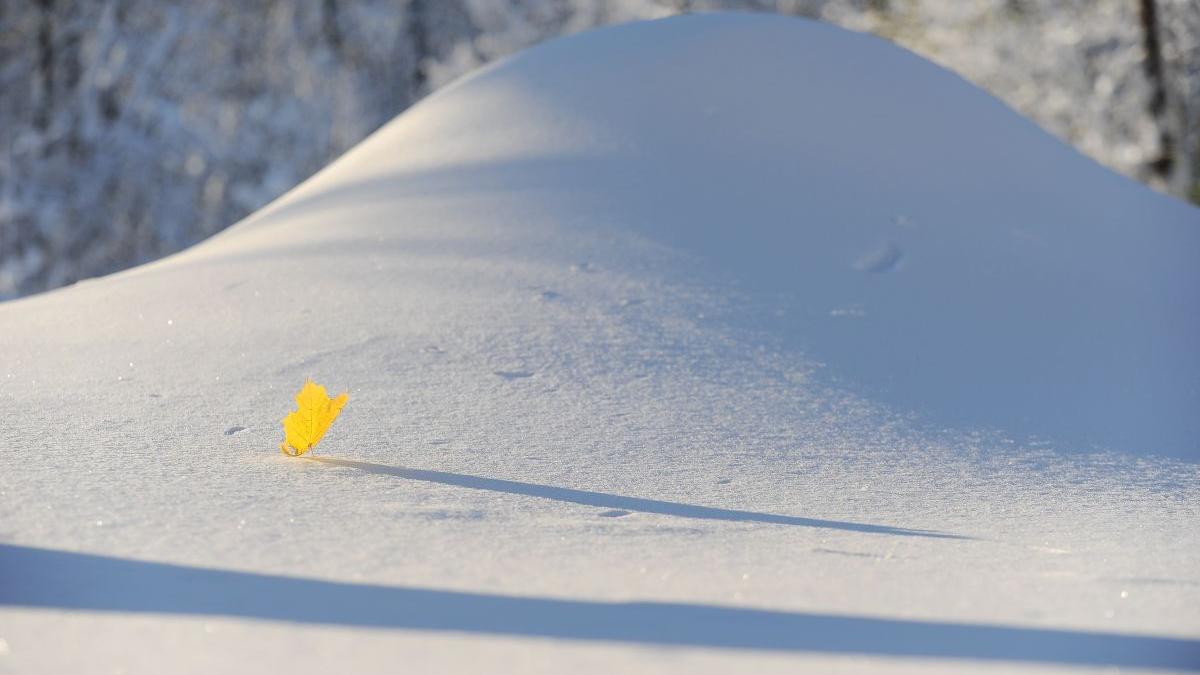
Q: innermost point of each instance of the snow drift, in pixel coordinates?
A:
(821, 330)
(932, 248)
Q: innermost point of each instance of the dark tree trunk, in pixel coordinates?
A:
(1153, 63)
(329, 25)
(45, 60)
(419, 36)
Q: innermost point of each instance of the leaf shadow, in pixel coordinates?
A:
(620, 502)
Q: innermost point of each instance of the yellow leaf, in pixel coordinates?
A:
(304, 426)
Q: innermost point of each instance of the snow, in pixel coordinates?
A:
(215, 134)
(784, 349)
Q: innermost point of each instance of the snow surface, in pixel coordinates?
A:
(785, 348)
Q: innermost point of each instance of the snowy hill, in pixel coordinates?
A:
(784, 348)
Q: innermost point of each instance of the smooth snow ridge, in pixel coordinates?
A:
(932, 248)
(785, 347)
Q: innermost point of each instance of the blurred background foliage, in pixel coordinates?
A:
(130, 129)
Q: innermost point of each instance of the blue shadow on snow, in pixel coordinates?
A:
(609, 501)
(50, 579)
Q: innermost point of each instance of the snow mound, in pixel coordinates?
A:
(932, 248)
(741, 317)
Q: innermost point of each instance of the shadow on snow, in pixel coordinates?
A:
(43, 578)
(608, 501)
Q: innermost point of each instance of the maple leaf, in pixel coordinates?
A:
(315, 411)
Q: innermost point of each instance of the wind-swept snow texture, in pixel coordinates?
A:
(784, 348)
